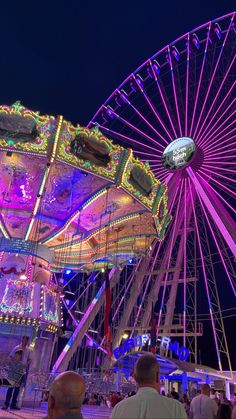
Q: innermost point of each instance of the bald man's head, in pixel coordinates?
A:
(66, 395)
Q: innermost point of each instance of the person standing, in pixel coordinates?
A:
(234, 412)
(13, 392)
(202, 406)
(224, 411)
(148, 403)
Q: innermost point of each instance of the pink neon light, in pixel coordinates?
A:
(216, 96)
(153, 264)
(218, 248)
(212, 78)
(125, 137)
(182, 37)
(169, 256)
(154, 111)
(164, 102)
(137, 129)
(205, 280)
(148, 123)
(218, 144)
(187, 83)
(217, 111)
(213, 135)
(219, 183)
(213, 159)
(174, 90)
(223, 153)
(220, 175)
(221, 197)
(185, 261)
(228, 238)
(200, 79)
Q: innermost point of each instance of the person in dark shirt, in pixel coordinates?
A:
(174, 394)
(16, 371)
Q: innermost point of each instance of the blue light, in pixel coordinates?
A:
(68, 271)
(131, 260)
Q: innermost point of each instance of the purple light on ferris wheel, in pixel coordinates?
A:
(187, 90)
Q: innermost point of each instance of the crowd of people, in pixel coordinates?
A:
(68, 393)
(221, 408)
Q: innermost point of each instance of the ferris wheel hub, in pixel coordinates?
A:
(178, 153)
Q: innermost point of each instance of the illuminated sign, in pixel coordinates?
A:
(178, 153)
(165, 342)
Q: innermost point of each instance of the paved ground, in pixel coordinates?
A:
(89, 412)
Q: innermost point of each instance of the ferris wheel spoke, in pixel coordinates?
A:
(160, 169)
(203, 140)
(177, 225)
(144, 153)
(217, 111)
(185, 255)
(174, 90)
(217, 140)
(220, 163)
(136, 129)
(221, 169)
(160, 172)
(223, 160)
(227, 143)
(163, 101)
(214, 295)
(206, 282)
(211, 139)
(126, 138)
(162, 177)
(187, 87)
(216, 96)
(151, 106)
(233, 286)
(220, 175)
(210, 206)
(200, 80)
(226, 202)
(223, 153)
(144, 119)
(212, 79)
(221, 185)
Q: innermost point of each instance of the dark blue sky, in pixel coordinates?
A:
(66, 57)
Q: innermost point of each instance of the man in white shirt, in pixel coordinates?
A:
(148, 403)
(202, 406)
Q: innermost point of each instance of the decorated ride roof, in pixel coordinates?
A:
(74, 192)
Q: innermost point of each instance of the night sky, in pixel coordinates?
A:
(66, 57)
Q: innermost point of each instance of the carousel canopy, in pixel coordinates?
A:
(71, 196)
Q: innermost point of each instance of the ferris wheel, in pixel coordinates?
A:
(177, 111)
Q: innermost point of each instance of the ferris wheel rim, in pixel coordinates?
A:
(204, 25)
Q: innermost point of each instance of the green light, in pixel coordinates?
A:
(87, 163)
(10, 142)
